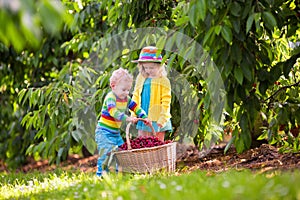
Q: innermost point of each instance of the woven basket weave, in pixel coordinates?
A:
(147, 160)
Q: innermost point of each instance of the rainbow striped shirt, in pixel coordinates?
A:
(113, 112)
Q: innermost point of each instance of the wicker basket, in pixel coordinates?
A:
(147, 160)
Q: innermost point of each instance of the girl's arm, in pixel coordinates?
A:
(138, 88)
(137, 91)
(165, 102)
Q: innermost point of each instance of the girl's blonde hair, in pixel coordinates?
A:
(162, 69)
(118, 75)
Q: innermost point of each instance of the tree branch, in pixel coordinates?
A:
(280, 89)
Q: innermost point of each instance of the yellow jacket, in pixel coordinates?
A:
(160, 99)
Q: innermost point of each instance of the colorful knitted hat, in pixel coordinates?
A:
(149, 54)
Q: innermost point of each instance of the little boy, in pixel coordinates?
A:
(107, 134)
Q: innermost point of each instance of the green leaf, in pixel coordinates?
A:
(151, 5)
(208, 35)
(181, 21)
(218, 29)
(17, 40)
(257, 18)
(21, 94)
(249, 23)
(275, 73)
(171, 41)
(247, 9)
(244, 121)
(91, 145)
(283, 116)
(161, 42)
(287, 65)
(236, 23)
(246, 69)
(189, 52)
(269, 20)
(193, 15)
(236, 51)
(26, 118)
(201, 8)
(246, 138)
(76, 135)
(60, 151)
(229, 144)
(227, 34)
(238, 74)
(239, 144)
(51, 16)
(235, 9)
(263, 86)
(263, 136)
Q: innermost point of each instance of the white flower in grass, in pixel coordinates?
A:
(106, 194)
(162, 186)
(30, 183)
(226, 184)
(76, 196)
(173, 183)
(72, 184)
(178, 188)
(44, 185)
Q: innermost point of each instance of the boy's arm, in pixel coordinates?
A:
(113, 110)
(138, 111)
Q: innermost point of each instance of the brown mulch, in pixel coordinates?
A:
(262, 158)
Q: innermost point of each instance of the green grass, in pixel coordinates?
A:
(197, 185)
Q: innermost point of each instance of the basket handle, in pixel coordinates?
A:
(127, 132)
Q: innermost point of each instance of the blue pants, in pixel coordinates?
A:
(106, 141)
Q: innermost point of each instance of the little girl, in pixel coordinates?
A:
(152, 92)
(107, 134)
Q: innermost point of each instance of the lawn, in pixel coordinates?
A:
(231, 184)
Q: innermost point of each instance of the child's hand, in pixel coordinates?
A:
(147, 122)
(159, 125)
(132, 119)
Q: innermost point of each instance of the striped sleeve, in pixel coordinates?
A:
(140, 113)
(113, 110)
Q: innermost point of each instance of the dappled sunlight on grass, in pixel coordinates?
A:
(52, 182)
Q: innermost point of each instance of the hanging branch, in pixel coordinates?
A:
(280, 89)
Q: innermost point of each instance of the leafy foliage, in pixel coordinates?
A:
(32, 67)
(281, 108)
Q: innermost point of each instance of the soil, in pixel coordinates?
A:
(262, 158)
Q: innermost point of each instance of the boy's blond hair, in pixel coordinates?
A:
(118, 75)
